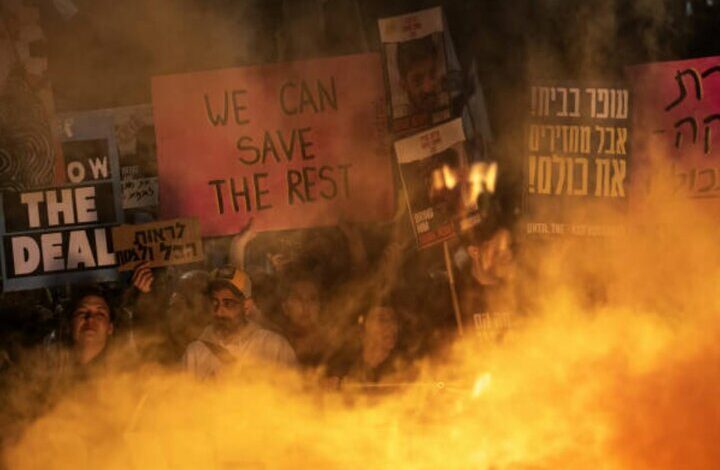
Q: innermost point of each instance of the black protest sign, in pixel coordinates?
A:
(139, 193)
(86, 160)
(62, 234)
(63, 206)
(576, 170)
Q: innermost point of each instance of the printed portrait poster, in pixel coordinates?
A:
(577, 160)
(61, 234)
(290, 146)
(434, 171)
(677, 132)
(419, 57)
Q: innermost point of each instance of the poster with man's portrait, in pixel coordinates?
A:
(435, 173)
(416, 69)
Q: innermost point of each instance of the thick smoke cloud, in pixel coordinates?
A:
(613, 366)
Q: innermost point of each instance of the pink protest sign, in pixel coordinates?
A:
(291, 145)
(677, 128)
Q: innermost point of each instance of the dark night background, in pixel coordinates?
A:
(105, 54)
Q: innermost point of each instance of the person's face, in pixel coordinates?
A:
(228, 310)
(91, 322)
(381, 328)
(422, 85)
(302, 306)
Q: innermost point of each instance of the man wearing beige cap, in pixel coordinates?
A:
(232, 341)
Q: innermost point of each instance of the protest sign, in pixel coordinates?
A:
(138, 193)
(89, 149)
(676, 133)
(135, 137)
(291, 145)
(434, 171)
(419, 56)
(133, 128)
(161, 243)
(576, 170)
(62, 234)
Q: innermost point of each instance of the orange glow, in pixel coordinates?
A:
(481, 179)
(623, 380)
(449, 176)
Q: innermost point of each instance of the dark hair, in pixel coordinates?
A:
(413, 51)
(192, 283)
(294, 275)
(86, 291)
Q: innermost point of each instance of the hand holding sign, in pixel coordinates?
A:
(142, 278)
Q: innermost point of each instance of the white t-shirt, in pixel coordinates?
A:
(253, 346)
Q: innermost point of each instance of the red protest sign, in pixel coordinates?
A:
(291, 145)
(676, 120)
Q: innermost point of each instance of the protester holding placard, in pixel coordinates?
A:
(301, 319)
(232, 342)
(92, 325)
(169, 311)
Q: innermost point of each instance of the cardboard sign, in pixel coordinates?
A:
(162, 243)
(291, 145)
(677, 130)
(441, 197)
(139, 193)
(62, 234)
(576, 169)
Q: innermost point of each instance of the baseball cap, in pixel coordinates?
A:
(232, 278)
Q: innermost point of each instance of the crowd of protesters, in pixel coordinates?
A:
(344, 308)
(352, 303)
